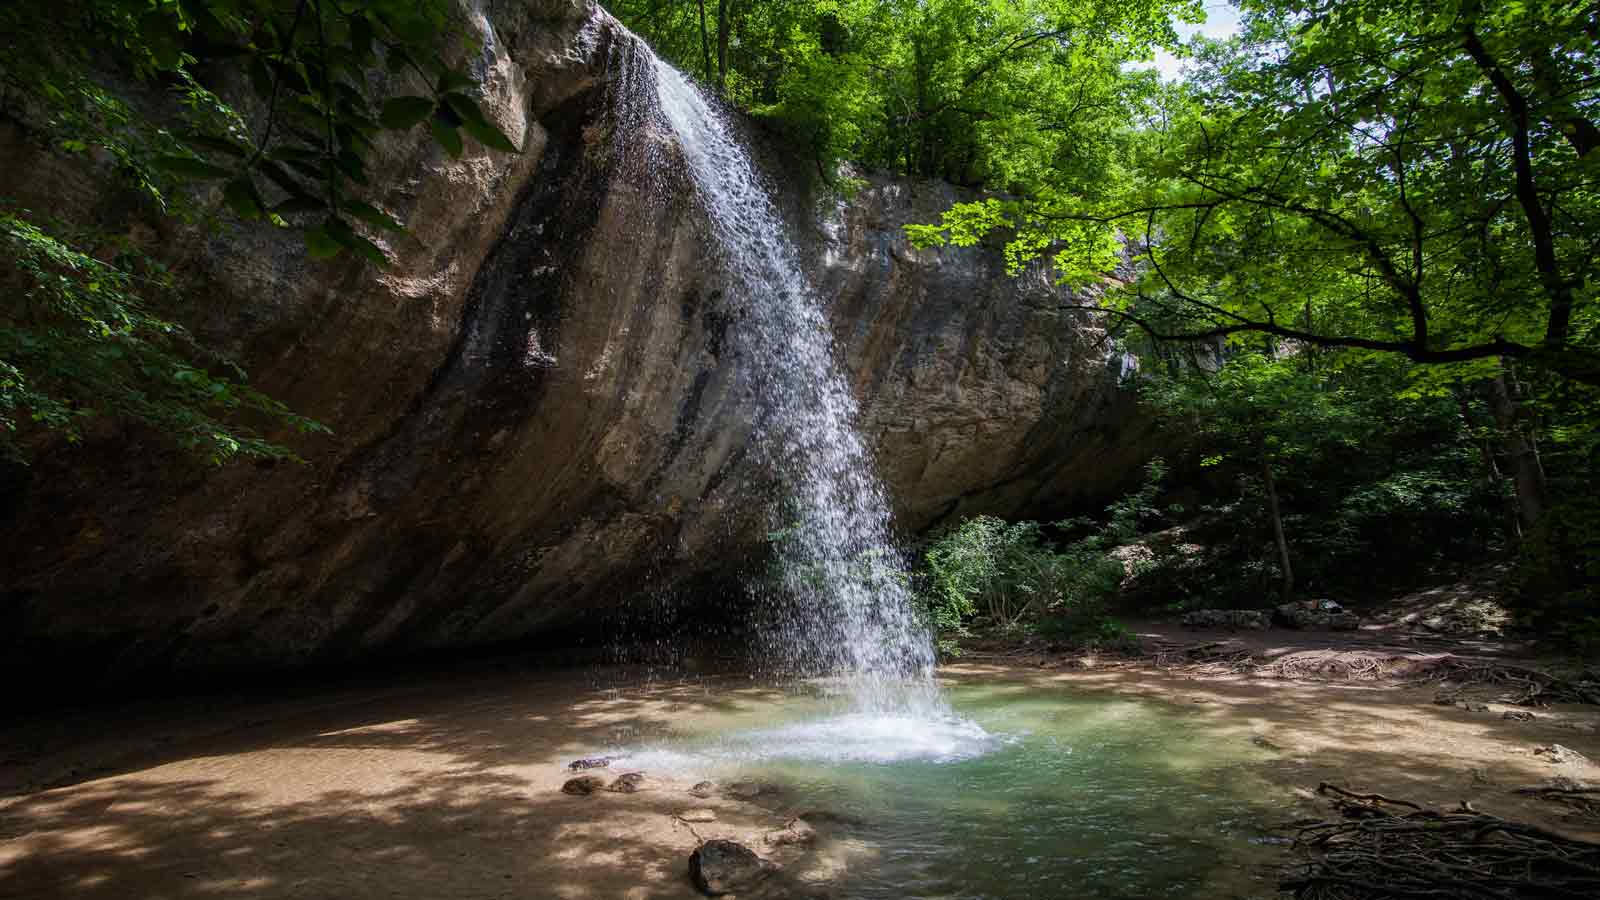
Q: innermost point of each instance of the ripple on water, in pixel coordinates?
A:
(848, 738)
(1021, 793)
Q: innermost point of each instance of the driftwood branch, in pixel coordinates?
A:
(1380, 847)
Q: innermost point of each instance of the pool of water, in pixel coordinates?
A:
(1020, 792)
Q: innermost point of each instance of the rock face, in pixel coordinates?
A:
(1317, 615)
(1246, 619)
(583, 785)
(534, 416)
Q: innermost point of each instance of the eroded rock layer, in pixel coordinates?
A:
(535, 420)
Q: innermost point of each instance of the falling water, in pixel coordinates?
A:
(846, 608)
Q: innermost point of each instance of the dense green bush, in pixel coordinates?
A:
(1012, 575)
(1379, 482)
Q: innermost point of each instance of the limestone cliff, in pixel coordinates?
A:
(533, 411)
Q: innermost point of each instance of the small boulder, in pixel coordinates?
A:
(1239, 619)
(703, 789)
(748, 790)
(1317, 615)
(1344, 621)
(627, 784)
(1518, 715)
(798, 831)
(720, 867)
(1556, 754)
(583, 784)
(1295, 615)
(698, 815)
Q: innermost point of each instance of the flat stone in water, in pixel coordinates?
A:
(590, 762)
(829, 817)
(698, 815)
(798, 831)
(628, 784)
(749, 790)
(721, 867)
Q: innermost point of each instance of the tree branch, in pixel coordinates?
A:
(1580, 367)
(1558, 326)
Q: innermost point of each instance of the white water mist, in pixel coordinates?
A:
(848, 610)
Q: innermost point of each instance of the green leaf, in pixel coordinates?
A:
(447, 136)
(372, 215)
(397, 59)
(339, 230)
(452, 80)
(276, 174)
(289, 153)
(320, 244)
(216, 142)
(477, 124)
(241, 196)
(361, 37)
(404, 112)
(352, 166)
(490, 136)
(465, 108)
(300, 203)
(353, 140)
(447, 115)
(190, 167)
(413, 29)
(260, 76)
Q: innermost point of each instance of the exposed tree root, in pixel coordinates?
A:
(1211, 657)
(1386, 848)
(1582, 798)
(1528, 687)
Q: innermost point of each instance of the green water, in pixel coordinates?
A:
(1068, 795)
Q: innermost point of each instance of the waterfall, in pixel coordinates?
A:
(847, 609)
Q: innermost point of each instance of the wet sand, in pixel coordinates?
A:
(449, 787)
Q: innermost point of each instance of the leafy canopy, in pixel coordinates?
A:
(1414, 178)
(88, 325)
(309, 63)
(998, 93)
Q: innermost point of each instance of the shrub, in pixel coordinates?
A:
(1012, 575)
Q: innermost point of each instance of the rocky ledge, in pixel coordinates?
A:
(534, 410)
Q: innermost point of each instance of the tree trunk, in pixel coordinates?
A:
(1512, 519)
(1277, 533)
(1520, 451)
(723, 24)
(705, 43)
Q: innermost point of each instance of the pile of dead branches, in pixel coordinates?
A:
(1525, 686)
(1230, 657)
(1384, 848)
(1327, 666)
(1583, 799)
(1206, 658)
